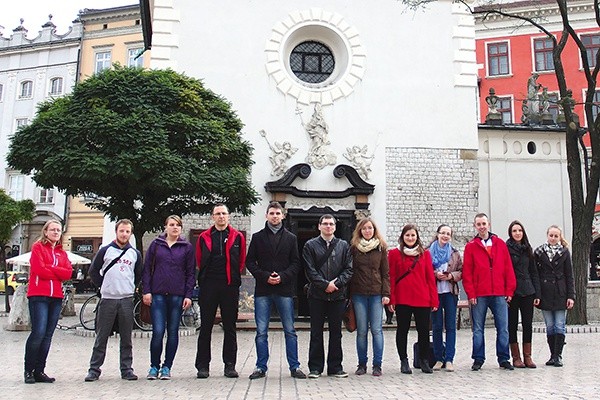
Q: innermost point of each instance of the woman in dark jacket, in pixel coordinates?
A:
(168, 283)
(526, 295)
(553, 263)
(370, 290)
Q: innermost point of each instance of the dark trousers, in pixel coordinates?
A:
(333, 311)
(403, 316)
(524, 305)
(44, 313)
(215, 294)
(108, 311)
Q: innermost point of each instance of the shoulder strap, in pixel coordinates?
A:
(409, 270)
(323, 259)
(113, 262)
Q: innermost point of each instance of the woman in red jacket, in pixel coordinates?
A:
(50, 266)
(413, 293)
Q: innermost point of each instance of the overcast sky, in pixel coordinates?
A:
(35, 13)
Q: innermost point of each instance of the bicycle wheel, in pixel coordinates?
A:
(136, 317)
(191, 317)
(87, 314)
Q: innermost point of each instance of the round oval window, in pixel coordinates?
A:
(312, 62)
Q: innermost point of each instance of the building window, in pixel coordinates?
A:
(553, 107)
(56, 86)
(15, 186)
(592, 44)
(131, 58)
(542, 49)
(505, 108)
(312, 62)
(1, 91)
(102, 61)
(595, 106)
(497, 58)
(26, 90)
(46, 196)
(21, 122)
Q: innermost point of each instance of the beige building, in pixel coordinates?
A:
(111, 35)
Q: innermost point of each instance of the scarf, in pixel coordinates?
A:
(275, 228)
(440, 255)
(365, 246)
(518, 247)
(551, 249)
(411, 252)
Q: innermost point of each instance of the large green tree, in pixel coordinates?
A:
(12, 212)
(143, 144)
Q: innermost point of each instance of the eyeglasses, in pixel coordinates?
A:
(328, 223)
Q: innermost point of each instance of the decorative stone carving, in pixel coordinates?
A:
(305, 204)
(281, 153)
(359, 159)
(319, 156)
(362, 214)
(493, 116)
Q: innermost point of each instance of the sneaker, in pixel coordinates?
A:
(377, 370)
(361, 370)
(129, 376)
(476, 366)
(298, 374)
(339, 374)
(314, 374)
(91, 377)
(28, 375)
(258, 373)
(449, 367)
(42, 377)
(165, 373)
(202, 373)
(438, 366)
(230, 371)
(152, 374)
(506, 365)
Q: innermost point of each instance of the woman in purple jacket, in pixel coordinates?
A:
(168, 282)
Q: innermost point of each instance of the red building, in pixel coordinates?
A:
(509, 51)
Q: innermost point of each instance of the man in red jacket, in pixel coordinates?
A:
(489, 281)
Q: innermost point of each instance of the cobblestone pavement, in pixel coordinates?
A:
(70, 353)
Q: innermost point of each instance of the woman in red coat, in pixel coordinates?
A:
(413, 293)
(50, 266)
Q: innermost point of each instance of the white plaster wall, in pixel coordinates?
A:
(407, 97)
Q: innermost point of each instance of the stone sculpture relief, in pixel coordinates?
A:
(319, 156)
(359, 159)
(281, 152)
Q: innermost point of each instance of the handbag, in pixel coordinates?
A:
(145, 315)
(349, 317)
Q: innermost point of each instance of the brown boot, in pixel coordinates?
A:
(527, 356)
(516, 355)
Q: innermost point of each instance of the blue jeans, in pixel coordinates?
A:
(166, 313)
(44, 313)
(262, 314)
(444, 317)
(499, 308)
(369, 312)
(555, 321)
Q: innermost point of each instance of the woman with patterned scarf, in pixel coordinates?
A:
(555, 271)
(369, 290)
(447, 268)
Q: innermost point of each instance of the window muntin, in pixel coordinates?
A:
(46, 196)
(102, 61)
(542, 49)
(505, 109)
(498, 59)
(56, 86)
(592, 45)
(131, 58)
(312, 62)
(26, 91)
(15, 186)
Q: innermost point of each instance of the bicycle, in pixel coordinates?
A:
(87, 314)
(190, 318)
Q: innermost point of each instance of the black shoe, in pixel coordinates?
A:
(506, 365)
(405, 367)
(202, 373)
(361, 370)
(339, 374)
(314, 374)
(258, 373)
(29, 378)
(91, 377)
(230, 371)
(476, 366)
(129, 376)
(298, 374)
(425, 367)
(42, 377)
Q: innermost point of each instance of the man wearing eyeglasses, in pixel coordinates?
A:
(220, 256)
(328, 268)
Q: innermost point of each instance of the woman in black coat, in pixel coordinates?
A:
(526, 295)
(553, 262)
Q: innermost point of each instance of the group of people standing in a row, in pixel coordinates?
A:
(509, 278)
